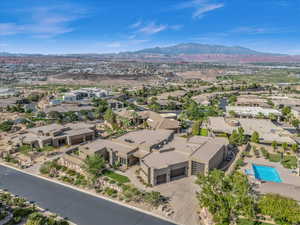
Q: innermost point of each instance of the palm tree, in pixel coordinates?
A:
(285, 146)
(94, 165)
(135, 117)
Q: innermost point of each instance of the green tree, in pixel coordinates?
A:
(283, 210)
(232, 99)
(55, 115)
(274, 145)
(294, 147)
(286, 110)
(39, 219)
(260, 115)
(6, 125)
(285, 146)
(100, 104)
(155, 107)
(34, 97)
(94, 165)
(234, 138)
(295, 123)
(269, 102)
(196, 128)
(226, 197)
(273, 117)
(135, 118)
(255, 137)
(232, 113)
(110, 116)
(41, 114)
(242, 137)
(70, 116)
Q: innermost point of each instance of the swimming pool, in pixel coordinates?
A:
(266, 173)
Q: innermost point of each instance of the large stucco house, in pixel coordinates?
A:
(161, 155)
(56, 135)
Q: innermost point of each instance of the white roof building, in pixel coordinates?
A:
(268, 131)
(252, 111)
(6, 92)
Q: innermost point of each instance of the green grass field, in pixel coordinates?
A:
(266, 76)
(250, 222)
(116, 177)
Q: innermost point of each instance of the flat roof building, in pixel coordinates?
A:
(162, 157)
(251, 111)
(268, 131)
(183, 157)
(57, 135)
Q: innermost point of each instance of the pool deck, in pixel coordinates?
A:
(266, 173)
(290, 186)
(286, 175)
(287, 190)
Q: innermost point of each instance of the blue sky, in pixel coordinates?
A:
(101, 26)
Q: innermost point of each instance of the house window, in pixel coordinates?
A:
(122, 161)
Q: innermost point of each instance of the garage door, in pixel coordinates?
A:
(76, 141)
(178, 173)
(197, 168)
(161, 179)
(89, 138)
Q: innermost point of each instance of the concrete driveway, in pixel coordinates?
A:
(183, 199)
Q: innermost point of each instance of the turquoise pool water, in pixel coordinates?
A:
(266, 173)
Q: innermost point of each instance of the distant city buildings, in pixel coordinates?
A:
(83, 93)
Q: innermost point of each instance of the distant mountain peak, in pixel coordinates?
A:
(197, 48)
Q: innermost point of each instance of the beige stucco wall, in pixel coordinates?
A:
(217, 159)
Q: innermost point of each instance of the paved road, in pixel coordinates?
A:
(81, 208)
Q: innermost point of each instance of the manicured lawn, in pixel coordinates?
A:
(250, 222)
(274, 157)
(117, 177)
(47, 149)
(204, 132)
(25, 149)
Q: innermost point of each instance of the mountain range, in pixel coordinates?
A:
(185, 52)
(198, 49)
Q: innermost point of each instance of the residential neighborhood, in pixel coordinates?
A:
(153, 112)
(120, 143)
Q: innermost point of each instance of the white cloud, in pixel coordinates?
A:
(46, 22)
(201, 7)
(10, 28)
(261, 30)
(152, 28)
(136, 24)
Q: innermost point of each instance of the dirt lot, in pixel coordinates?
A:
(209, 75)
(92, 79)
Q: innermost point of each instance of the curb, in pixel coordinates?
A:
(92, 194)
(37, 207)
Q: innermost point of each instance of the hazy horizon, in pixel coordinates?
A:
(90, 26)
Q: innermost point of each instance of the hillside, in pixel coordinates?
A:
(196, 49)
